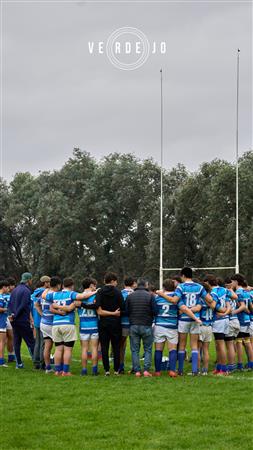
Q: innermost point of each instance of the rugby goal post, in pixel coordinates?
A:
(236, 267)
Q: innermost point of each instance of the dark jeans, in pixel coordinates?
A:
(22, 330)
(138, 333)
(110, 332)
(38, 349)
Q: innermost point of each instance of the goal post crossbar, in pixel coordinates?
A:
(172, 269)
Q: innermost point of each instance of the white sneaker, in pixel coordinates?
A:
(49, 371)
(3, 365)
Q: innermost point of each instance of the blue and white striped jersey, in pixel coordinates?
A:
(166, 312)
(64, 297)
(124, 316)
(88, 319)
(3, 315)
(244, 297)
(190, 294)
(206, 314)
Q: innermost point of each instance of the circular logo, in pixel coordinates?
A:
(127, 48)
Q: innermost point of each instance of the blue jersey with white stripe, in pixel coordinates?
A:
(124, 316)
(166, 312)
(224, 295)
(244, 297)
(3, 315)
(88, 319)
(234, 305)
(190, 294)
(251, 302)
(47, 317)
(7, 298)
(36, 298)
(63, 298)
(206, 314)
(219, 296)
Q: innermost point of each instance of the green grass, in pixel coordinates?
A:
(44, 412)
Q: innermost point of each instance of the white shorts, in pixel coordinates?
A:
(46, 330)
(221, 326)
(245, 329)
(251, 329)
(233, 328)
(88, 336)
(206, 333)
(64, 333)
(162, 334)
(2, 330)
(8, 324)
(125, 331)
(188, 327)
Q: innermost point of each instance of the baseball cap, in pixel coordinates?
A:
(45, 279)
(26, 276)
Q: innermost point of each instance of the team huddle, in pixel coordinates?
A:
(200, 309)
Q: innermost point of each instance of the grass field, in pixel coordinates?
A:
(41, 411)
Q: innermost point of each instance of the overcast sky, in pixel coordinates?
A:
(57, 96)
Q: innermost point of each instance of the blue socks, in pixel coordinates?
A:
(84, 371)
(172, 360)
(158, 360)
(1, 361)
(181, 356)
(195, 355)
(58, 368)
(65, 368)
(95, 370)
(48, 367)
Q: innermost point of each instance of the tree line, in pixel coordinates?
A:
(91, 216)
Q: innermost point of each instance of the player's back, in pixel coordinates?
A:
(88, 317)
(124, 316)
(166, 312)
(245, 297)
(190, 294)
(63, 298)
(206, 314)
(3, 315)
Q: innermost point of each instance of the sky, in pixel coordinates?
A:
(57, 96)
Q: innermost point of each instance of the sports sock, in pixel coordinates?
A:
(65, 367)
(224, 368)
(218, 367)
(230, 367)
(240, 366)
(58, 368)
(11, 357)
(1, 361)
(195, 355)
(250, 364)
(95, 370)
(181, 355)
(121, 367)
(84, 371)
(158, 360)
(48, 367)
(172, 360)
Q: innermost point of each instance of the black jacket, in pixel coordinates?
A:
(140, 306)
(110, 299)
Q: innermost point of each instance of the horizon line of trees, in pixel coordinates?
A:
(92, 216)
